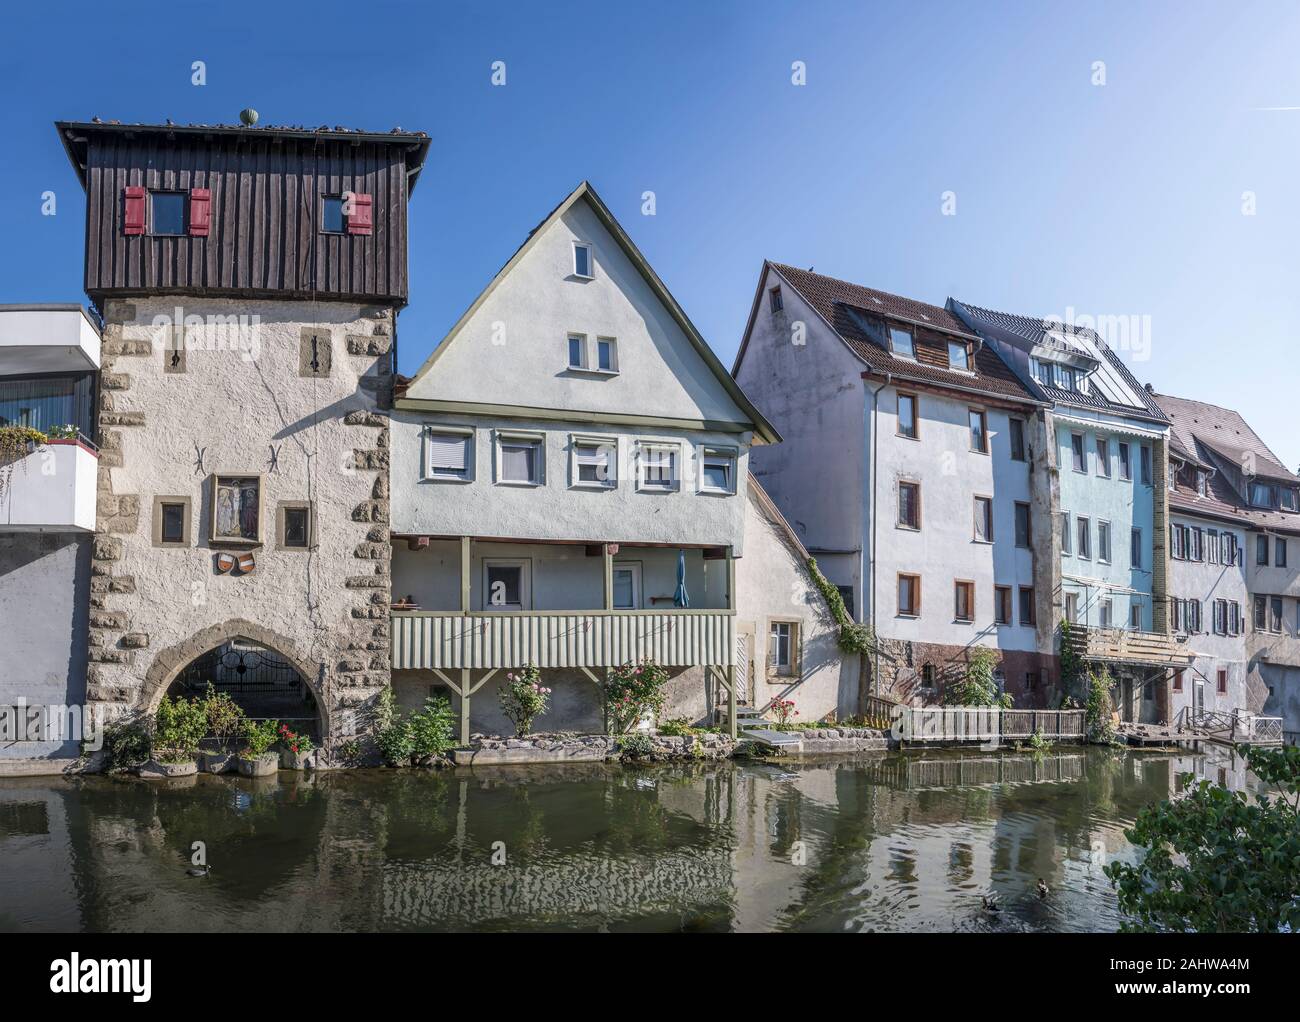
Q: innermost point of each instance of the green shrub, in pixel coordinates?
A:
(977, 688)
(393, 738)
(126, 744)
(180, 725)
(1037, 742)
(676, 727)
(431, 730)
(259, 736)
(225, 716)
(636, 746)
(1100, 708)
(1218, 861)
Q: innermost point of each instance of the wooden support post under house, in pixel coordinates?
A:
(607, 552)
(464, 574)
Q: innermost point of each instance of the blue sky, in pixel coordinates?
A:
(1122, 199)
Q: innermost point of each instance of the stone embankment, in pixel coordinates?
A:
(490, 750)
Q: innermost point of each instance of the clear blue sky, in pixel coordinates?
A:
(1123, 199)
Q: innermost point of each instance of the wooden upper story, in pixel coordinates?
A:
(245, 211)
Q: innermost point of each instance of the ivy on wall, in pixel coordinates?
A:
(854, 638)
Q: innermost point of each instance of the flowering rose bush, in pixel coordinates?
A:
(632, 691)
(524, 697)
(784, 710)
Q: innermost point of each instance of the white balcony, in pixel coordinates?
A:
(562, 639)
(38, 339)
(52, 489)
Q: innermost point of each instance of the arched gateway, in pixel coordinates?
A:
(264, 673)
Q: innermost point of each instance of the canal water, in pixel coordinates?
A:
(900, 842)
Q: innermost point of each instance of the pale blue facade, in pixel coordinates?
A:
(1107, 520)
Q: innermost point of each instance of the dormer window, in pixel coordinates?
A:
(1202, 482)
(582, 266)
(958, 355)
(1289, 501)
(1261, 495)
(901, 343)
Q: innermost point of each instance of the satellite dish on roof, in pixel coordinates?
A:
(248, 116)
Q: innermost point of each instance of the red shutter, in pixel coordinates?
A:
(200, 211)
(360, 220)
(133, 210)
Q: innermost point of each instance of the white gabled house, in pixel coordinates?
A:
(569, 472)
(909, 467)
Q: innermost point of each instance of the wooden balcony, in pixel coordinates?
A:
(1122, 646)
(423, 640)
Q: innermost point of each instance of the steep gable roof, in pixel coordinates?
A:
(763, 430)
(1114, 389)
(1206, 431)
(1222, 430)
(858, 315)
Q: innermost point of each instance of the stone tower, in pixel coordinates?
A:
(249, 281)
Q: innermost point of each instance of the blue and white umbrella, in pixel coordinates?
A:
(681, 598)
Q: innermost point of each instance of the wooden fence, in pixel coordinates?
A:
(962, 724)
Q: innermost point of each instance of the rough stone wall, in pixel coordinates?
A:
(244, 401)
(901, 666)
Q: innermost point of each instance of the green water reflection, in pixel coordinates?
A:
(898, 842)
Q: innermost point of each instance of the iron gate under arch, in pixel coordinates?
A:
(241, 669)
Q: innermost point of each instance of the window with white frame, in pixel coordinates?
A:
(582, 264)
(627, 585)
(657, 469)
(783, 648)
(520, 459)
(507, 585)
(606, 355)
(901, 343)
(577, 351)
(595, 462)
(448, 453)
(1103, 542)
(717, 470)
(958, 355)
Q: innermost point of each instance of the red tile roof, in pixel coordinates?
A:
(845, 306)
(1204, 430)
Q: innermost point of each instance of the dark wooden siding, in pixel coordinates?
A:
(266, 203)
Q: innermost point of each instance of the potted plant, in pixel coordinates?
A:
(179, 728)
(225, 724)
(297, 751)
(256, 758)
